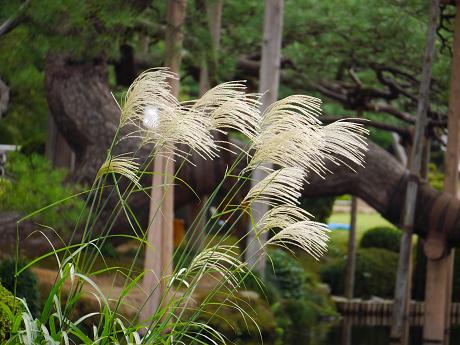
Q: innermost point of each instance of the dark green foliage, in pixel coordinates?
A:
(266, 289)
(220, 314)
(34, 184)
(382, 237)
(303, 301)
(26, 286)
(183, 256)
(320, 208)
(375, 273)
(7, 302)
(456, 280)
(435, 177)
(286, 274)
(108, 250)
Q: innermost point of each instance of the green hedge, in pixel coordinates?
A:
(375, 273)
(286, 274)
(382, 237)
(321, 208)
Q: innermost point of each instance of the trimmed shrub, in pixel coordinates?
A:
(375, 273)
(266, 289)
(286, 274)
(6, 301)
(382, 237)
(26, 287)
(321, 208)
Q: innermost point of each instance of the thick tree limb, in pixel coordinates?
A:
(15, 20)
(403, 132)
(80, 101)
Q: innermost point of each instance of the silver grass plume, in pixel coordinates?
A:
(292, 135)
(344, 142)
(155, 116)
(282, 216)
(150, 89)
(222, 259)
(184, 126)
(279, 187)
(229, 107)
(307, 235)
(125, 166)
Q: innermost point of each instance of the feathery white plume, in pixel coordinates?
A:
(241, 114)
(222, 259)
(229, 107)
(344, 142)
(282, 186)
(158, 118)
(150, 89)
(291, 135)
(181, 125)
(125, 166)
(151, 118)
(282, 216)
(307, 235)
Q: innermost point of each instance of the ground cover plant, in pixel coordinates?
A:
(288, 134)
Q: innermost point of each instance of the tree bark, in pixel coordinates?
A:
(4, 97)
(85, 113)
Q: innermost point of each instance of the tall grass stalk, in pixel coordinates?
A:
(289, 135)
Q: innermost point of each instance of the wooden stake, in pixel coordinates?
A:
(269, 83)
(399, 329)
(158, 258)
(438, 292)
(196, 235)
(351, 258)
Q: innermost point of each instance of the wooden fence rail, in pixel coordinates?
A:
(379, 312)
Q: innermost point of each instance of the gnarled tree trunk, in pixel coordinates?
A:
(84, 110)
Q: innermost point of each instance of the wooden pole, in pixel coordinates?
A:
(269, 83)
(438, 292)
(158, 258)
(196, 234)
(351, 257)
(57, 149)
(399, 327)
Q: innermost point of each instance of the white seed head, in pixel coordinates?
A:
(151, 118)
(307, 235)
(221, 259)
(150, 89)
(292, 135)
(125, 166)
(280, 187)
(281, 217)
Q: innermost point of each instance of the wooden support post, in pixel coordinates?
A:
(158, 258)
(269, 83)
(399, 327)
(57, 149)
(208, 77)
(351, 257)
(438, 292)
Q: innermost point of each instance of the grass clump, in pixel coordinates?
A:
(288, 133)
